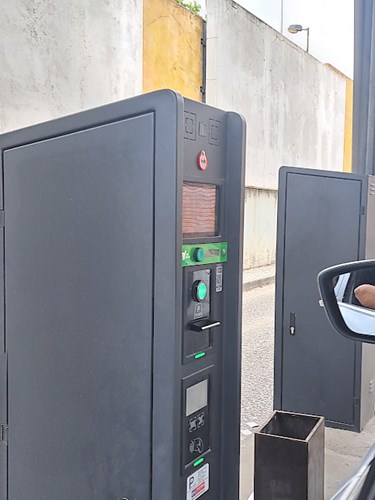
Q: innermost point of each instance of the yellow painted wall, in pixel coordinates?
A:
(348, 139)
(172, 49)
(348, 126)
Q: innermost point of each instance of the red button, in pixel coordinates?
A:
(202, 160)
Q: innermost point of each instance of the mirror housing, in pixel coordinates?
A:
(327, 280)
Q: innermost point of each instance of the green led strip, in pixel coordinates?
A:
(213, 253)
(200, 355)
(198, 462)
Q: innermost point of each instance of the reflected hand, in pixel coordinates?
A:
(366, 295)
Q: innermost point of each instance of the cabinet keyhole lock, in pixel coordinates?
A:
(292, 324)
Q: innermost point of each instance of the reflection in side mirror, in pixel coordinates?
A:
(355, 297)
(348, 293)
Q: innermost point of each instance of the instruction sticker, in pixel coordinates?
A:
(219, 278)
(198, 483)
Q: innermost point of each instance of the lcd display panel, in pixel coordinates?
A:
(196, 397)
(199, 210)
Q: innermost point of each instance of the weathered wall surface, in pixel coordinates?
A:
(61, 56)
(348, 142)
(293, 104)
(348, 129)
(172, 48)
(260, 227)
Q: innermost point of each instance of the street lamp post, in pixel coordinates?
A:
(296, 28)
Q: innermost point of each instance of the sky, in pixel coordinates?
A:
(331, 26)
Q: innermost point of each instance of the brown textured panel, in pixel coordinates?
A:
(198, 209)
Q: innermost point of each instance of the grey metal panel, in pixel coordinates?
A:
(370, 217)
(279, 290)
(2, 307)
(166, 446)
(368, 351)
(368, 383)
(315, 367)
(230, 432)
(364, 96)
(3, 382)
(3, 432)
(79, 288)
(3, 471)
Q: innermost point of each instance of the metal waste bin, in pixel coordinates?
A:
(289, 458)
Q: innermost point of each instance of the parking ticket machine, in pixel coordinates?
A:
(120, 303)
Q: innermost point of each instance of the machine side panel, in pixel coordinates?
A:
(3, 383)
(279, 292)
(370, 217)
(368, 350)
(79, 311)
(231, 376)
(168, 159)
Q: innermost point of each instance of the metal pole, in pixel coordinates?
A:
(308, 39)
(364, 93)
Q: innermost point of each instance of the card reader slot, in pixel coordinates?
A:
(201, 326)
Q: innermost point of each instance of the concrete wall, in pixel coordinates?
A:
(260, 227)
(172, 48)
(60, 56)
(348, 142)
(348, 130)
(294, 106)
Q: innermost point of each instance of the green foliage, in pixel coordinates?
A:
(193, 6)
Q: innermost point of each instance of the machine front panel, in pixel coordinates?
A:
(79, 317)
(205, 253)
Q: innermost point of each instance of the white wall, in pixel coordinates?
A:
(58, 57)
(293, 104)
(259, 227)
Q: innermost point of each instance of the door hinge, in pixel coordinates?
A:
(2, 218)
(356, 401)
(4, 433)
(362, 210)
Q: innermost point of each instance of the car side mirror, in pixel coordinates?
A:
(348, 295)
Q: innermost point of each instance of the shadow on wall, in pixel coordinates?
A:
(260, 227)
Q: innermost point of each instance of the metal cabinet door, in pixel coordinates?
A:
(322, 228)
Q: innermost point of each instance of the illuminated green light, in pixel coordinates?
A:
(198, 462)
(201, 291)
(200, 355)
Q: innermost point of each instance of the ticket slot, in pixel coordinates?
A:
(201, 326)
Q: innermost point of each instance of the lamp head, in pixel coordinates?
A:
(295, 28)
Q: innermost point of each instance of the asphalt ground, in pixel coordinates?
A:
(343, 449)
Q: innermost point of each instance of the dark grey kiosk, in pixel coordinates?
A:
(121, 257)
